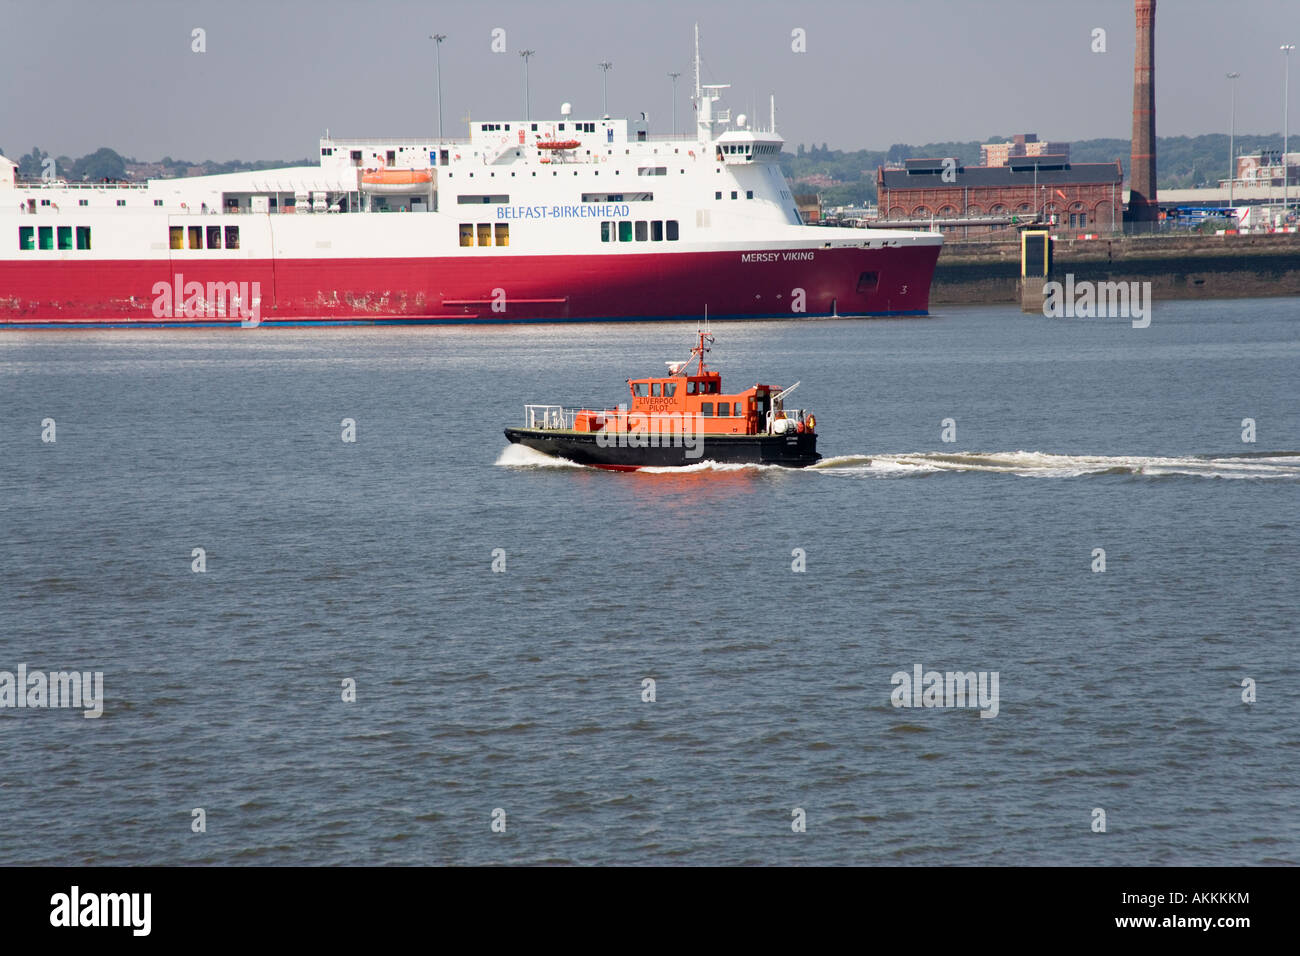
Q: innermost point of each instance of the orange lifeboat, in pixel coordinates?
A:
(674, 420)
(559, 144)
(396, 180)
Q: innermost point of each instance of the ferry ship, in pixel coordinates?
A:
(532, 221)
(683, 418)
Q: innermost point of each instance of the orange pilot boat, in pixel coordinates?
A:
(679, 419)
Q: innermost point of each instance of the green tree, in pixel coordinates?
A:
(103, 163)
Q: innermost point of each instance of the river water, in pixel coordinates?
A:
(524, 690)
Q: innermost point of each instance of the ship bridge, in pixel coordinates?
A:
(742, 146)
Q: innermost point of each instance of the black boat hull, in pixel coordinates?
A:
(791, 451)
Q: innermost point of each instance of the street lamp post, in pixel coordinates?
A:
(526, 54)
(1286, 84)
(605, 67)
(438, 38)
(1232, 140)
(674, 79)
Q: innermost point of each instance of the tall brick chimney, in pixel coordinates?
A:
(1142, 205)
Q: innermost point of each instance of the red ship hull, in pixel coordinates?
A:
(472, 289)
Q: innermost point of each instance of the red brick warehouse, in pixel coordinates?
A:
(970, 200)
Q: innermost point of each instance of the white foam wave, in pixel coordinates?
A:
(521, 456)
(1024, 464)
(1033, 464)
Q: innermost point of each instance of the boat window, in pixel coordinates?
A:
(26, 237)
(485, 233)
(671, 226)
(657, 231)
(654, 390)
(690, 387)
(214, 237)
(502, 233)
(670, 389)
(83, 237)
(625, 230)
(45, 236)
(706, 409)
(466, 234)
(642, 230)
(640, 389)
(196, 237)
(479, 199)
(718, 194)
(724, 409)
(749, 194)
(733, 194)
(606, 232)
(232, 237)
(65, 237)
(177, 236)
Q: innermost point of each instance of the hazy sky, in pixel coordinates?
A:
(79, 74)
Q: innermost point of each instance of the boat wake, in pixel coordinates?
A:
(521, 456)
(1022, 464)
(1033, 464)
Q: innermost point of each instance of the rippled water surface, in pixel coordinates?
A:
(522, 690)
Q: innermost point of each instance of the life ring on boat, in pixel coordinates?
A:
(812, 422)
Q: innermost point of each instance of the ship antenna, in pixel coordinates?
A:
(697, 65)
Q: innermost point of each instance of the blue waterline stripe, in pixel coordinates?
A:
(468, 320)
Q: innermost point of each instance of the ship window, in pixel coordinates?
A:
(503, 233)
(196, 237)
(156, 202)
(481, 199)
(45, 235)
(485, 233)
(65, 237)
(625, 230)
(121, 202)
(671, 226)
(718, 194)
(654, 390)
(867, 282)
(86, 202)
(232, 237)
(177, 236)
(642, 230)
(83, 237)
(640, 389)
(214, 237)
(466, 234)
(706, 409)
(657, 231)
(734, 194)
(392, 158)
(26, 237)
(749, 194)
(690, 387)
(670, 389)
(606, 232)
